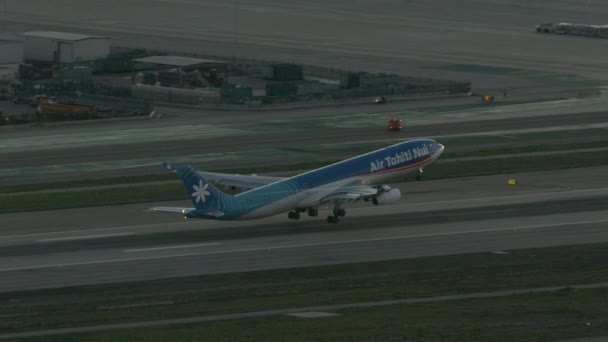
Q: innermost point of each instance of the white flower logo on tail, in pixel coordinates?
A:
(200, 191)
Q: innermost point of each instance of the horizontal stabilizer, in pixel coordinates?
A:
(169, 167)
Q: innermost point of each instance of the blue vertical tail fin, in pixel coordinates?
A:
(207, 199)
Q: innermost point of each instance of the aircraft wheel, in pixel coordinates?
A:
(293, 215)
(418, 178)
(375, 201)
(340, 212)
(313, 212)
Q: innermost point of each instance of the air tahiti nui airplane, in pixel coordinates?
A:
(345, 182)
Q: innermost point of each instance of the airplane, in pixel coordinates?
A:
(345, 182)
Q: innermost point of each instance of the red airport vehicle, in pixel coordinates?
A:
(395, 125)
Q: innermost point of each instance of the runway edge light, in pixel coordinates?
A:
(512, 181)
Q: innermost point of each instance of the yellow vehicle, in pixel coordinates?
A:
(56, 111)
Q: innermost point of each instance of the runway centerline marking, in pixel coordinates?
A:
(299, 246)
(84, 237)
(135, 250)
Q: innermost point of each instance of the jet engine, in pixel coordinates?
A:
(391, 196)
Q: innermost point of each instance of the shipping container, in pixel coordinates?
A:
(307, 87)
(380, 80)
(117, 65)
(287, 72)
(350, 80)
(236, 91)
(280, 89)
(78, 74)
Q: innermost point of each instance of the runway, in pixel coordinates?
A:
(437, 218)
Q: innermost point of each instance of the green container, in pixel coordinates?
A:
(350, 80)
(117, 65)
(236, 91)
(287, 72)
(281, 89)
(78, 74)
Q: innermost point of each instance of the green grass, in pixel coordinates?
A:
(85, 183)
(353, 148)
(535, 75)
(527, 149)
(448, 169)
(89, 198)
(320, 285)
(166, 192)
(530, 139)
(532, 317)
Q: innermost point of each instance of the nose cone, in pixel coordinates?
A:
(438, 151)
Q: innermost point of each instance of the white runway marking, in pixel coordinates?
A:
(135, 250)
(84, 237)
(270, 248)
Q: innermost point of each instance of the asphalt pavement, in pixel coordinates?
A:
(128, 243)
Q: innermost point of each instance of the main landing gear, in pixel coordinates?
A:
(295, 214)
(313, 212)
(338, 212)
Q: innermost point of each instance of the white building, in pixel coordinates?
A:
(48, 46)
(11, 51)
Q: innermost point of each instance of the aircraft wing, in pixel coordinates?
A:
(350, 194)
(239, 181)
(184, 211)
(181, 210)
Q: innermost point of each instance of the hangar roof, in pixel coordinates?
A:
(61, 35)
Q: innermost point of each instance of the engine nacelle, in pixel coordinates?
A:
(391, 196)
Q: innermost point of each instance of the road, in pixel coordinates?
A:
(127, 243)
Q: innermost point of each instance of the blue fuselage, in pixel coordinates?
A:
(378, 166)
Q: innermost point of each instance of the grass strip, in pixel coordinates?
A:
(444, 169)
(85, 183)
(288, 167)
(90, 198)
(528, 149)
(307, 286)
(168, 192)
(532, 317)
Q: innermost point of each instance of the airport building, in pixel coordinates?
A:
(50, 46)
